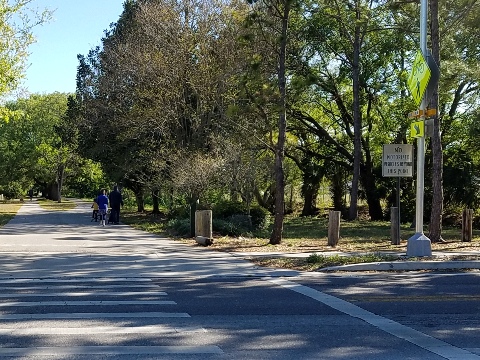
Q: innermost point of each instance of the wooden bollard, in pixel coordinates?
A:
(395, 226)
(467, 224)
(203, 227)
(333, 227)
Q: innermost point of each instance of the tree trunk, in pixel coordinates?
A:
(276, 236)
(42, 186)
(155, 197)
(337, 189)
(53, 192)
(60, 175)
(357, 122)
(267, 201)
(138, 190)
(435, 227)
(140, 201)
(373, 200)
(193, 210)
(310, 188)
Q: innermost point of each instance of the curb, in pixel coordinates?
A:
(406, 266)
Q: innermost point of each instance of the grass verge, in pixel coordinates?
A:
(309, 235)
(55, 205)
(318, 261)
(8, 210)
(144, 221)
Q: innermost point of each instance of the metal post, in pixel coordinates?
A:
(394, 222)
(398, 206)
(419, 244)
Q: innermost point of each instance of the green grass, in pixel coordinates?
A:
(55, 205)
(8, 209)
(359, 231)
(312, 227)
(309, 234)
(143, 221)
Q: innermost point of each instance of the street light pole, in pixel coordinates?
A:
(419, 244)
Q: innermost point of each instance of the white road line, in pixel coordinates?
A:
(418, 338)
(110, 350)
(147, 329)
(81, 294)
(111, 280)
(86, 303)
(95, 316)
(97, 288)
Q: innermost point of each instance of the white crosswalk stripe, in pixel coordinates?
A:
(84, 303)
(111, 350)
(82, 317)
(147, 329)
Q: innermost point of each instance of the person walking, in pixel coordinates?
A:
(95, 210)
(115, 198)
(102, 201)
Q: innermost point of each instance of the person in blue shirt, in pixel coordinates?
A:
(102, 201)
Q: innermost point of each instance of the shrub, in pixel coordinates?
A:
(452, 215)
(315, 258)
(225, 227)
(230, 211)
(226, 209)
(179, 227)
(12, 191)
(180, 212)
(260, 218)
(229, 218)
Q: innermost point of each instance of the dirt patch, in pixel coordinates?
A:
(325, 256)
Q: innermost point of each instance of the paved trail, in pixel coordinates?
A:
(41, 243)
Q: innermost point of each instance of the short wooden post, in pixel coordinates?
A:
(395, 226)
(333, 227)
(203, 227)
(467, 224)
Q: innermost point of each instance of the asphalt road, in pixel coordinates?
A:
(70, 289)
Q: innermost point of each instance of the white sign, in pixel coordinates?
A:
(397, 160)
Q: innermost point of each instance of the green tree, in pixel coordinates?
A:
(154, 96)
(45, 157)
(17, 19)
(349, 75)
(18, 144)
(456, 100)
(268, 23)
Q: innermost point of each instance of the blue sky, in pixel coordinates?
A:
(76, 27)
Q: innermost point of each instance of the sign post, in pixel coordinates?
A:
(419, 244)
(397, 161)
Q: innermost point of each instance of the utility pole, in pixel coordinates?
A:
(419, 244)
